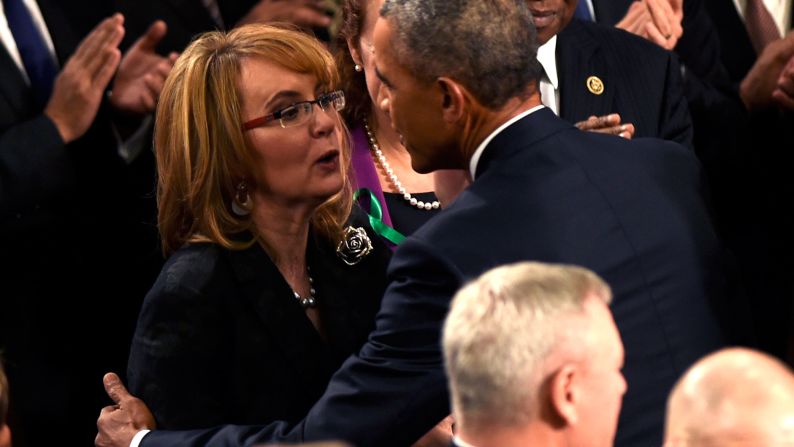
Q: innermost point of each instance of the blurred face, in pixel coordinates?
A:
(603, 383)
(363, 51)
(298, 164)
(414, 108)
(551, 16)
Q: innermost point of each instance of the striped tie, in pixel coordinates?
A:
(760, 25)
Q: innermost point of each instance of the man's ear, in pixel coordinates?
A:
(453, 99)
(564, 393)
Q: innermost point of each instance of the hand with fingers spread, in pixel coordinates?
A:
(118, 424)
(81, 84)
(142, 73)
(609, 124)
(303, 13)
(783, 94)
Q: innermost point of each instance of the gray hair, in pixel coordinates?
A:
(490, 46)
(500, 330)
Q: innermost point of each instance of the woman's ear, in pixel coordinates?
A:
(564, 393)
(355, 54)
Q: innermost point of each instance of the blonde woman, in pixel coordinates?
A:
(269, 285)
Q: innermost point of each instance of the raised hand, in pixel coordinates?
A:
(609, 124)
(783, 94)
(142, 73)
(118, 424)
(80, 86)
(303, 13)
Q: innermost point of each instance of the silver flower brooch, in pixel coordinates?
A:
(355, 245)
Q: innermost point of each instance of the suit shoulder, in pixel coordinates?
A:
(619, 39)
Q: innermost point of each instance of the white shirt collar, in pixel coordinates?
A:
(475, 158)
(547, 56)
(461, 443)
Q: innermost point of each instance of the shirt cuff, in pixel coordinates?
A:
(136, 440)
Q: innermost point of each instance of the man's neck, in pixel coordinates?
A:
(529, 435)
(484, 122)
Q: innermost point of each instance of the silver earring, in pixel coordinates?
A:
(358, 68)
(241, 203)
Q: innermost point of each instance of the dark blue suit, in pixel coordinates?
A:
(642, 81)
(629, 210)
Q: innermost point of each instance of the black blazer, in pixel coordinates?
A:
(629, 210)
(221, 339)
(642, 81)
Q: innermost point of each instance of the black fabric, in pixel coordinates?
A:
(629, 210)
(405, 217)
(641, 81)
(221, 338)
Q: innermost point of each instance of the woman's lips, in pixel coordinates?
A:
(329, 159)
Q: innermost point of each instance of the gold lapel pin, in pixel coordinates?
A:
(595, 85)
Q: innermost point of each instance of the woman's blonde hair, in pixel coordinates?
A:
(202, 154)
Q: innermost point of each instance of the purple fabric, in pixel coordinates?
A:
(363, 174)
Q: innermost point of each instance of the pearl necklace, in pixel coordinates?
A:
(377, 154)
(309, 301)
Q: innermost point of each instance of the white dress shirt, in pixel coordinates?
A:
(8, 38)
(549, 82)
(779, 9)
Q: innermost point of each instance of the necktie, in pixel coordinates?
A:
(215, 12)
(36, 57)
(760, 25)
(582, 11)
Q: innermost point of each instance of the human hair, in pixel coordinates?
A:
(202, 153)
(358, 103)
(3, 395)
(490, 46)
(501, 328)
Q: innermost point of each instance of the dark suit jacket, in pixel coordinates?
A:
(629, 210)
(221, 339)
(185, 19)
(642, 81)
(67, 252)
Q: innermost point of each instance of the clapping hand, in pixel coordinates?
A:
(303, 13)
(142, 73)
(656, 20)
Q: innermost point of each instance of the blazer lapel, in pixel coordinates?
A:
(271, 298)
(579, 65)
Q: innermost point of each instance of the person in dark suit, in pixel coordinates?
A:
(518, 376)
(267, 289)
(636, 79)
(186, 19)
(70, 246)
(466, 97)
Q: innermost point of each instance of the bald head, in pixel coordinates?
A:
(735, 397)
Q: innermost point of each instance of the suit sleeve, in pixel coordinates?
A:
(393, 391)
(175, 362)
(34, 164)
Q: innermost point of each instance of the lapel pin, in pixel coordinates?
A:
(595, 85)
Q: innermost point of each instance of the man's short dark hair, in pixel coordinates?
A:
(490, 46)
